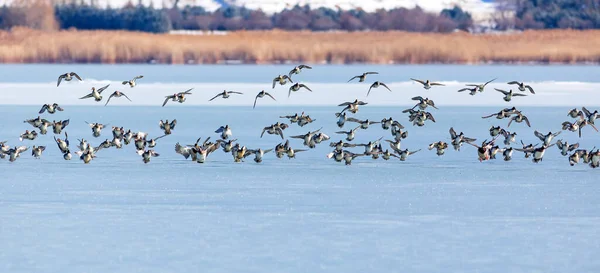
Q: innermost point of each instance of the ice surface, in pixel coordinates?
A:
(309, 214)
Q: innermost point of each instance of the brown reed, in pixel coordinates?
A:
(23, 45)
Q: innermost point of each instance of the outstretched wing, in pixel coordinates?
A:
(76, 76)
(489, 81)
(530, 89)
(220, 94)
(419, 98)
(539, 135)
(44, 108)
(270, 96)
(60, 79)
(383, 84)
(513, 82)
(86, 96)
(452, 133)
(353, 78)
(125, 96)
(503, 91)
(167, 98)
(110, 97)
(303, 85)
(102, 89)
(419, 81)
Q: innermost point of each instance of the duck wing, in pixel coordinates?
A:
(125, 96)
(486, 83)
(353, 78)
(452, 133)
(539, 135)
(102, 89)
(526, 121)
(503, 91)
(303, 85)
(167, 99)
(386, 87)
(530, 89)
(419, 81)
(220, 94)
(513, 82)
(110, 97)
(44, 108)
(87, 96)
(60, 79)
(272, 96)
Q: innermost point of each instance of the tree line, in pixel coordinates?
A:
(512, 14)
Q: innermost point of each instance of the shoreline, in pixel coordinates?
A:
(540, 47)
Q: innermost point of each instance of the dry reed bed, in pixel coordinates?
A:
(561, 46)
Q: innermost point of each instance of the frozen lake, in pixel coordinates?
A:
(309, 214)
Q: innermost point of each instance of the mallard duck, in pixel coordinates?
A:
(423, 103)
(297, 69)
(376, 85)
(167, 126)
(361, 78)
(67, 77)
(96, 128)
(295, 87)
(282, 80)
(58, 126)
(509, 94)
(116, 94)
(178, 97)
(36, 151)
(522, 86)
(260, 95)
(427, 84)
(546, 138)
(96, 93)
(225, 131)
(147, 154)
(132, 81)
(51, 108)
(351, 106)
(480, 87)
(225, 94)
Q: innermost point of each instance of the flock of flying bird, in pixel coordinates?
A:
(199, 151)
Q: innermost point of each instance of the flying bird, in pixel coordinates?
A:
(260, 95)
(522, 86)
(376, 85)
(427, 84)
(225, 94)
(96, 93)
(361, 78)
(67, 77)
(116, 94)
(178, 97)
